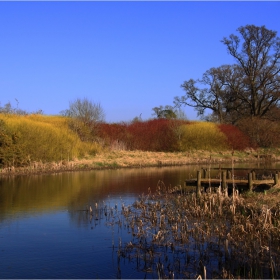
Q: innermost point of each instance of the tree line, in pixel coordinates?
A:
(248, 88)
(246, 93)
(243, 100)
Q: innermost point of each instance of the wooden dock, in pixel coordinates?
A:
(229, 182)
(204, 180)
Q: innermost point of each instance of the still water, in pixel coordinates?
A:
(45, 232)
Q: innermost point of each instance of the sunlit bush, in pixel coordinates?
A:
(202, 136)
(10, 152)
(45, 138)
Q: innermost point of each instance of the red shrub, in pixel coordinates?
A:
(236, 139)
(113, 132)
(152, 135)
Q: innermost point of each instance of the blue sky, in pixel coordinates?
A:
(127, 56)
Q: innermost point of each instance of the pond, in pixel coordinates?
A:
(45, 231)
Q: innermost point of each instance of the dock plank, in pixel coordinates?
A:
(213, 182)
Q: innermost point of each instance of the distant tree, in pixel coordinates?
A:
(181, 115)
(85, 111)
(8, 109)
(251, 87)
(166, 112)
(85, 116)
(137, 118)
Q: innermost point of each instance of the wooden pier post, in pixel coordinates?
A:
(250, 181)
(228, 174)
(204, 175)
(198, 184)
(253, 175)
(224, 180)
(276, 178)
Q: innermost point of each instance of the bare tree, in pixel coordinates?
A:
(85, 111)
(85, 117)
(258, 57)
(214, 91)
(251, 87)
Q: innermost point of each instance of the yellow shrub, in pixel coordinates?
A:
(47, 138)
(202, 136)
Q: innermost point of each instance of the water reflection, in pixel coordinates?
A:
(73, 191)
(45, 231)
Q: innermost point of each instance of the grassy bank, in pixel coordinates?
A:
(137, 159)
(35, 143)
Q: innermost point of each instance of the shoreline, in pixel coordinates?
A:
(139, 159)
(136, 159)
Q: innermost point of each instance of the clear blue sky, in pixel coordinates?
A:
(127, 56)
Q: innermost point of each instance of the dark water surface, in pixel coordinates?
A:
(45, 234)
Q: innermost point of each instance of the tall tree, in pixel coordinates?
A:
(214, 92)
(251, 87)
(257, 53)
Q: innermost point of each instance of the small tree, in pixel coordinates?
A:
(166, 112)
(85, 116)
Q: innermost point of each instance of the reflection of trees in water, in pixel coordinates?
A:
(98, 215)
(80, 218)
(75, 190)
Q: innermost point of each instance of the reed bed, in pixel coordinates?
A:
(174, 234)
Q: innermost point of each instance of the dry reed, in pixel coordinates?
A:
(174, 234)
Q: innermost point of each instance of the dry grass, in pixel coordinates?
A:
(215, 235)
(140, 158)
(125, 159)
(270, 198)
